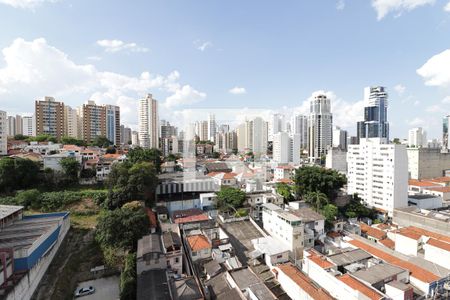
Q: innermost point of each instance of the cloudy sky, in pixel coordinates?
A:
(204, 55)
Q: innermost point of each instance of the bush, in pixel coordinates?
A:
(128, 278)
(241, 212)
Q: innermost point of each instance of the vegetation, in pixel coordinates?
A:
(139, 154)
(317, 200)
(20, 137)
(356, 209)
(67, 140)
(128, 285)
(330, 212)
(229, 197)
(43, 138)
(71, 167)
(16, 174)
(316, 179)
(285, 191)
(101, 141)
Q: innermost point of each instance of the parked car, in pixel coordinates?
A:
(84, 291)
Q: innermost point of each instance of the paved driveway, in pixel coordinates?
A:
(105, 288)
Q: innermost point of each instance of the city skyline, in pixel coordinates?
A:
(210, 63)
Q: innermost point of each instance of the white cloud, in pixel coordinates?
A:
(447, 7)
(434, 108)
(436, 71)
(400, 89)
(415, 122)
(340, 5)
(237, 90)
(26, 4)
(35, 69)
(202, 45)
(94, 57)
(446, 100)
(384, 7)
(118, 45)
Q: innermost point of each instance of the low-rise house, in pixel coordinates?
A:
(104, 165)
(270, 250)
(208, 201)
(53, 161)
(199, 247)
(186, 288)
(150, 255)
(172, 247)
(440, 191)
(249, 284)
(223, 179)
(283, 172)
(152, 220)
(371, 233)
(44, 148)
(426, 201)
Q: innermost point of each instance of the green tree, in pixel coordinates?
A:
(234, 151)
(215, 154)
(285, 191)
(101, 141)
(26, 173)
(316, 199)
(356, 209)
(142, 182)
(229, 197)
(313, 178)
(330, 212)
(70, 167)
(111, 150)
(43, 138)
(88, 173)
(139, 154)
(121, 228)
(67, 140)
(128, 285)
(20, 137)
(170, 157)
(7, 175)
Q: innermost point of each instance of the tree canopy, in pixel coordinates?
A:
(67, 140)
(101, 141)
(316, 199)
(18, 173)
(70, 167)
(229, 197)
(139, 154)
(313, 178)
(285, 191)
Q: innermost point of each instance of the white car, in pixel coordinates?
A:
(84, 291)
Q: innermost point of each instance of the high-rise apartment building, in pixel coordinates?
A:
(299, 125)
(148, 122)
(113, 123)
(94, 121)
(277, 124)
(19, 125)
(340, 138)
(212, 127)
(375, 124)
(135, 138)
(125, 135)
(378, 173)
(11, 126)
(72, 122)
(49, 115)
(241, 132)
(417, 138)
(3, 133)
(167, 130)
(320, 126)
(282, 148)
(28, 126)
(257, 134)
(201, 130)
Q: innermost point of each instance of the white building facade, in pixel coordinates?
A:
(320, 126)
(148, 122)
(3, 133)
(417, 137)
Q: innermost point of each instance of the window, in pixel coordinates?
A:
(177, 259)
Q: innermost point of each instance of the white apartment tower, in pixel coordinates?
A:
(300, 126)
(319, 127)
(378, 173)
(339, 138)
(202, 130)
(212, 127)
(11, 126)
(3, 133)
(282, 151)
(148, 122)
(277, 124)
(257, 135)
(417, 137)
(28, 126)
(72, 122)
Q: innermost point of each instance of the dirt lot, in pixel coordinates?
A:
(105, 288)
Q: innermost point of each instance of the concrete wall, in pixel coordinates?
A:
(406, 245)
(427, 162)
(437, 255)
(409, 219)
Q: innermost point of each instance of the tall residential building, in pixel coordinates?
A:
(257, 134)
(299, 125)
(125, 135)
(19, 125)
(212, 127)
(113, 123)
(135, 138)
(445, 129)
(282, 151)
(94, 121)
(378, 173)
(320, 126)
(340, 138)
(201, 130)
(375, 124)
(417, 137)
(148, 122)
(241, 132)
(11, 126)
(49, 115)
(3, 133)
(29, 126)
(277, 124)
(72, 122)
(167, 130)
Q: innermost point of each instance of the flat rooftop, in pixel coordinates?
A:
(378, 273)
(421, 197)
(153, 285)
(246, 279)
(23, 233)
(349, 257)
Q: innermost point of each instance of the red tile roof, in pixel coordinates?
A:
(441, 179)
(333, 234)
(320, 260)
(422, 183)
(198, 242)
(373, 232)
(360, 287)
(437, 236)
(416, 272)
(387, 243)
(441, 189)
(285, 180)
(409, 234)
(304, 282)
(439, 244)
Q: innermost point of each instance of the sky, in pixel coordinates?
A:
(211, 55)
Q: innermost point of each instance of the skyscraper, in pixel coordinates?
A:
(113, 123)
(339, 138)
(19, 125)
(167, 130)
(148, 122)
(320, 126)
(11, 125)
(282, 148)
(300, 127)
(49, 117)
(94, 121)
(417, 137)
(212, 127)
(28, 126)
(125, 135)
(72, 122)
(258, 135)
(277, 124)
(375, 124)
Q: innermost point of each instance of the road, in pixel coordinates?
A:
(105, 288)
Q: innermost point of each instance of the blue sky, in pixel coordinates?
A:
(269, 55)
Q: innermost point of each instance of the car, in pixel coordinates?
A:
(84, 291)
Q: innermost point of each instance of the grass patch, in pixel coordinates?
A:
(83, 221)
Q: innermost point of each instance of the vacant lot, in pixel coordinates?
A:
(105, 288)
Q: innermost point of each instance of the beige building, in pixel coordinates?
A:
(148, 122)
(50, 117)
(72, 122)
(427, 162)
(94, 121)
(3, 133)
